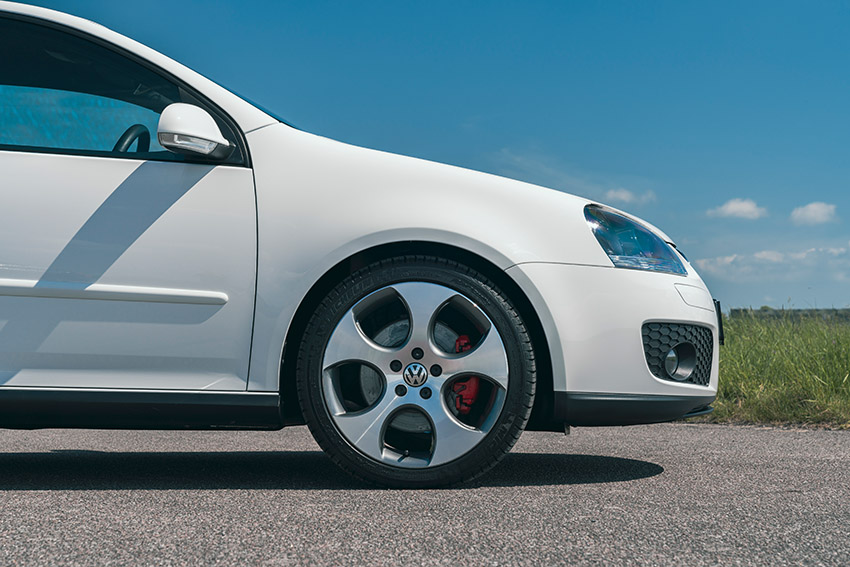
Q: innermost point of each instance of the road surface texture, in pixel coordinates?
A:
(673, 494)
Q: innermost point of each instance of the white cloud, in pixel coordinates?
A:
(719, 262)
(551, 172)
(772, 265)
(739, 208)
(814, 213)
(625, 196)
(540, 169)
(770, 256)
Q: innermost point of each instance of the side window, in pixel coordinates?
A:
(62, 93)
(50, 118)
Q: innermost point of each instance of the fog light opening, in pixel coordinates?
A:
(681, 361)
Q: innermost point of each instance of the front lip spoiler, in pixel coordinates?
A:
(699, 411)
(602, 409)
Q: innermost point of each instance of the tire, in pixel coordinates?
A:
(416, 372)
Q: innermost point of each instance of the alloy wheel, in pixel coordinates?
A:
(414, 375)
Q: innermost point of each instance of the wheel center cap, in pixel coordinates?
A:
(415, 374)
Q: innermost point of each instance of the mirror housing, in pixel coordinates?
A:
(190, 130)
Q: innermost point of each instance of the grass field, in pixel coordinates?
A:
(788, 368)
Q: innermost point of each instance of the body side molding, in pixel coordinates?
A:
(109, 292)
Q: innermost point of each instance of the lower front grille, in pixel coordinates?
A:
(692, 348)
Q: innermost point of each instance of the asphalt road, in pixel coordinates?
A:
(675, 494)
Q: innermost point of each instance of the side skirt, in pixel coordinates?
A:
(41, 408)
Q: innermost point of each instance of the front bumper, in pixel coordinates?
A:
(592, 317)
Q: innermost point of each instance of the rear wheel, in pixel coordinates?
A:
(416, 371)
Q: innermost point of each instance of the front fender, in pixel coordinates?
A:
(321, 201)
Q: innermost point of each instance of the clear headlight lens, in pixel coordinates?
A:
(630, 245)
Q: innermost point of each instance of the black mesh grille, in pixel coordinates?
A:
(659, 338)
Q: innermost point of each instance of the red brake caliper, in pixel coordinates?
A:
(465, 391)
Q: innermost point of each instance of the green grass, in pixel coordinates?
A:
(788, 368)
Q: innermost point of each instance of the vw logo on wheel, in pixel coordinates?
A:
(415, 374)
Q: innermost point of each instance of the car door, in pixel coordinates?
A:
(121, 265)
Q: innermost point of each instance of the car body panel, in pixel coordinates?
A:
(117, 273)
(593, 316)
(321, 201)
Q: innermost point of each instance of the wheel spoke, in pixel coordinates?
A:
(348, 342)
(405, 446)
(365, 429)
(451, 439)
(422, 301)
(487, 359)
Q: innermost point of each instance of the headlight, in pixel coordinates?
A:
(630, 245)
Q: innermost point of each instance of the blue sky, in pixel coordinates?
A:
(726, 124)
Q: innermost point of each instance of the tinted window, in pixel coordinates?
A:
(51, 118)
(60, 92)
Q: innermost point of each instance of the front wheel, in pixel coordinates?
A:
(416, 372)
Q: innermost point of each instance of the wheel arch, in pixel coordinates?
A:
(542, 413)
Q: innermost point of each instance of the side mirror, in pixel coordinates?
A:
(190, 130)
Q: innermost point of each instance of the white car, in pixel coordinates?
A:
(173, 257)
